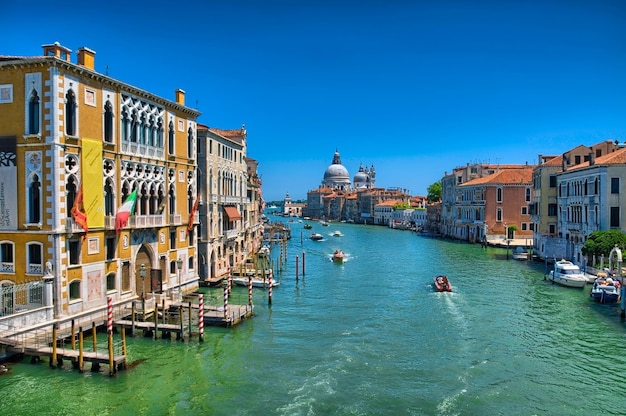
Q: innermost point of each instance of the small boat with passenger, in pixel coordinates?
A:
(316, 236)
(338, 256)
(605, 290)
(442, 284)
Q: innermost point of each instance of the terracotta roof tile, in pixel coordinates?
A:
(505, 177)
(617, 157)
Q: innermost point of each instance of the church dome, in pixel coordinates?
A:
(336, 172)
(360, 179)
(336, 175)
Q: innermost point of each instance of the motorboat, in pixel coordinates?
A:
(257, 281)
(307, 226)
(568, 274)
(442, 284)
(337, 233)
(338, 256)
(316, 237)
(605, 290)
(520, 253)
(324, 223)
(264, 251)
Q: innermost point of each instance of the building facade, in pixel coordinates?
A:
(76, 145)
(231, 200)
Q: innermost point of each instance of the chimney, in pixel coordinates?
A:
(592, 159)
(86, 58)
(180, 97)
(57, 50)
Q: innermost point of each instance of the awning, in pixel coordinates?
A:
(233, 214)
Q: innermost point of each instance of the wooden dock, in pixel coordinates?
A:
(96, 358)
(235, 314)
(151, 329)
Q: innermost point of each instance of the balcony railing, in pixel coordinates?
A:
(71, 226)
(6, 267)
(35, 269)
(146, 221)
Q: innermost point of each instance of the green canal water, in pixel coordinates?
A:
(369, 337)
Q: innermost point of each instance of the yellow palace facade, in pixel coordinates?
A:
(74, 146)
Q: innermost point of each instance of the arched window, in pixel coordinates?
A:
(499, 195)
(34, 251)
(159, 133)
(7, 258)
(70, 113)
(33, 113)
(144, 200)
(190, 143)
(170, 136)
(109, 198)
(34, 200)
(527, 194)
(133, 127)
(110, 281)
(75, 290)
(125, 124)
(70, 192)
(172, 197)
(108, 122)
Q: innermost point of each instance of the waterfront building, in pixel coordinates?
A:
(591, 198)
(367, 199)
(433, 218)
(230, 201)
(383, 212)
(253, 229)
(496, 206)
(77, 144)
(548, 240)
(292, 209)
(451, 223)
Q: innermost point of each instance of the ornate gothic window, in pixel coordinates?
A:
(70, 113)
(34, 200)
(33, 113)
(108, 122)
(170, 142)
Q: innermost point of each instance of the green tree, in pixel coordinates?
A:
(434, 192)
(602, 242)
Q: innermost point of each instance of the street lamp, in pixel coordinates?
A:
(142, 273)
(179, 265)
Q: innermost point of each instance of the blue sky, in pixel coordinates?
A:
(414, 88)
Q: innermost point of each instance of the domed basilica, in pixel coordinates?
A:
(336, 176)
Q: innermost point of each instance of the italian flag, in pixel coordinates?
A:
(125, 211)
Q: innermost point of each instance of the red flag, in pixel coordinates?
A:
(78, 210)
(192, 215)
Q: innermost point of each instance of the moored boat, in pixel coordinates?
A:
(567, 274)
(605, 290)
(264, 251)
(442, 284)
(520, 253)
(257, 281)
